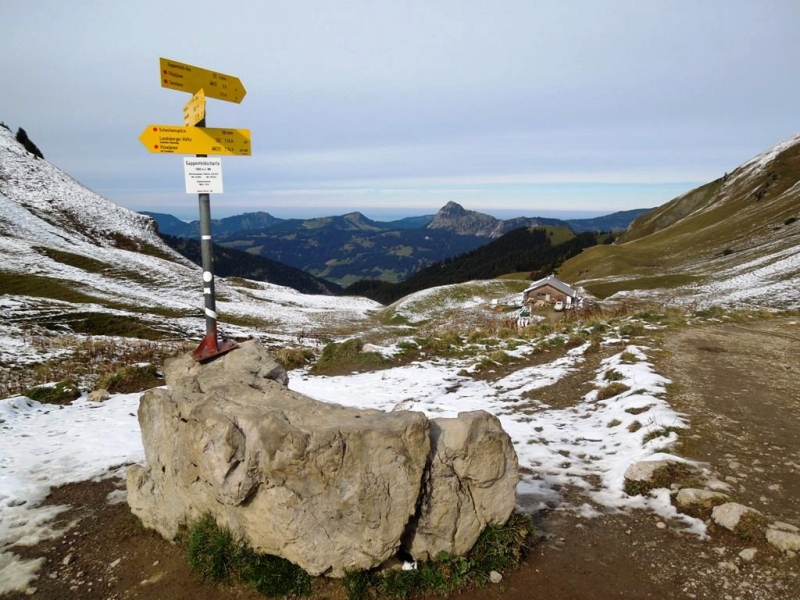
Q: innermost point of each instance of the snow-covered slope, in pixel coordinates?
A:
(56, 234)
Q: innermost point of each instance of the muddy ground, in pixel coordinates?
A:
(738, 385)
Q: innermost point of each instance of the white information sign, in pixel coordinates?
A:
(203, 175)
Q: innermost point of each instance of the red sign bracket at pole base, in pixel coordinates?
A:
(210, 347)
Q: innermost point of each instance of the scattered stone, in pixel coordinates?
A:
(30, 591)
(100, 395)
(748, 554)
(53, 576)
(114, 563)
(784, 540)
(67, 560)
(688, 497)
(784, 527)
(151, 580)
(495, 577)
(727, 515)
(643, 470)
(661, 525)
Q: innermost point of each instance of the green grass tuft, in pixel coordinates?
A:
(661, 432)
(664, 477)
(499, 547)
(62, 392)
(272, 576)
(211, 550)
(293, 358)
(216, 555)
(130, 379)
(612, 389)
(345, 357)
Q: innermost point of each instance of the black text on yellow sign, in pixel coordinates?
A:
(174, 139)
(187, 78)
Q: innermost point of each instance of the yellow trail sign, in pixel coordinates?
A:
(174, 139)
(186, 78)
(194, 110)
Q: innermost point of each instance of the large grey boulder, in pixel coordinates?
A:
(471, 483)
(327, 487)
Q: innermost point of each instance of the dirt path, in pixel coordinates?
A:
(740, 389)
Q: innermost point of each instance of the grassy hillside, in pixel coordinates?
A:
(743, 217)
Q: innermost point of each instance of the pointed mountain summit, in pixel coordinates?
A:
(455, 218)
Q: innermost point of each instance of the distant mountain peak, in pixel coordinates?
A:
(454, 217)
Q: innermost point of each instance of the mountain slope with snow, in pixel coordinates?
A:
(64, 250)
(733, 241)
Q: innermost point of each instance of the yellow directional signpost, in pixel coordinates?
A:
(174, 139)
(195, 138)
(194, 111)
(186, 78)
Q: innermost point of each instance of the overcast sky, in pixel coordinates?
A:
(397, 107)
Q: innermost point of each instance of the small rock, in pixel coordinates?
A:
(784, 540)
(784, 527)
(30, 591)
(643, 470)
(53, 576)
(727, 515)
(495, 577)
(155, 563)
(100, 395)
(661, 525)
(67, 560)
(748, 554)
(115, 563)
(691, 497)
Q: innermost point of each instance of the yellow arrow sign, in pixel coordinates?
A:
(186, 78)
(174, 139)
(195, 109)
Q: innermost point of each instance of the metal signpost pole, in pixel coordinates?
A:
(210, 346)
